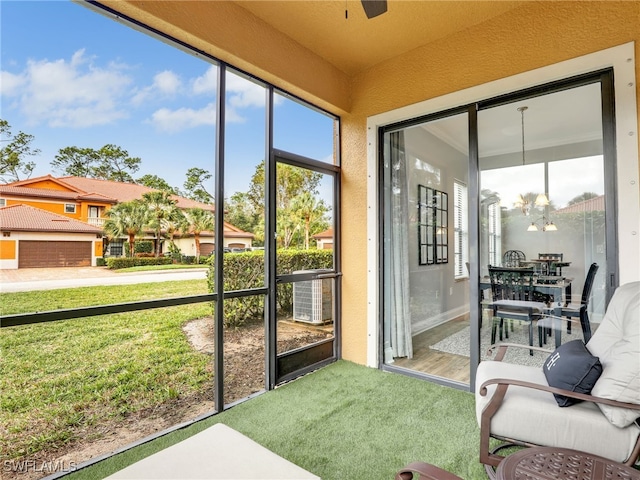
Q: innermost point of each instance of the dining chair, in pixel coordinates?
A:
(554, 267)
(512, 258)
(512, 299)
(570, 311)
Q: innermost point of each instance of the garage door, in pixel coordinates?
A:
(206, 249)
(38, 254)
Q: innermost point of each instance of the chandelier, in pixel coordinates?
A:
(523, 202)
(545, 224)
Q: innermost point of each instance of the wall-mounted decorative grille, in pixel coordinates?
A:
(432, 226)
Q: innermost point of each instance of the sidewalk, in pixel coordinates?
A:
(31, 279)
(34, 274)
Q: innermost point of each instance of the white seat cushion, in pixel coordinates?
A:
(617, 343)
(534, 416)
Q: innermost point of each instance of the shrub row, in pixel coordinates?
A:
(115, 263)
(246, 270)
(141, 246)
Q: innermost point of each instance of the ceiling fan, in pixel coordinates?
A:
(373, 8)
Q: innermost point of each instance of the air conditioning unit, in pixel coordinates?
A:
(313, 300)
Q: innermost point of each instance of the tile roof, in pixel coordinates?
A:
(590, 205)
(24, 218)
(18, 191)
(81, 188)
(125, 192)
(326, 234)
(97, 189)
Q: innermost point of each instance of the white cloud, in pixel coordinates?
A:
(243, 93)
(165, 83)
(206, 84)
(71, 93)
(10, 83)
(172, 121)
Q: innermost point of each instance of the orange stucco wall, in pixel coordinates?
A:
(49, 206)
(523, 39)
(531, 36)
(82, 208)
(7, 249)
(48, 185)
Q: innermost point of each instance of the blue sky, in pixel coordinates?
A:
(73, 77)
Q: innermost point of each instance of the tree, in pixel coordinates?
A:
(13, 165)
(128, 218)
(194, 185)
(582, 197)
(306, 207)
(75, 161)
(157, 183)
(173, 224)
(111, 162)
(161, 208)
(114, 163)
(198, 220)
(290, 183)
(239, 211)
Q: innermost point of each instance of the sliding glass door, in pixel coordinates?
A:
(521, 180)
(426, 238)
(543, 194)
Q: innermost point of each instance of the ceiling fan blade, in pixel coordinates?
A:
(373, 8)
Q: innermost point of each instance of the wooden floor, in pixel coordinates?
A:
(441, 364)
(433, 362)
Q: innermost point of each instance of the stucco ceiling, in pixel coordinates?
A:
(356, 43)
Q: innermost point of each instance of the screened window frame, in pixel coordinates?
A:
(219, 162)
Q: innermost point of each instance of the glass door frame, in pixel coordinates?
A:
(288, 365)
(602, 76)
(384, 213)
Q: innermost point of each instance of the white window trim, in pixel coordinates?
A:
(68, 210)
(461, 226)
(622, 59)
(3, 202)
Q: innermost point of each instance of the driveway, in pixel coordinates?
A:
(31, 279)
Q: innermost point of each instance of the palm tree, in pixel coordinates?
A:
(198, 220)
(309, 209)
(161, 209)
(128, 218)
(177, 222)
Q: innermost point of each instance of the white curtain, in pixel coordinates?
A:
(400, 321)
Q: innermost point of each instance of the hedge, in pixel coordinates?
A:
(140, 246)
(115, 263)
(246, 270)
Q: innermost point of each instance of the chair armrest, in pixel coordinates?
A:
(536, 386)
(426, 471)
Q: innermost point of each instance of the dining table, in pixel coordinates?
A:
(558, 287)
(545, 264)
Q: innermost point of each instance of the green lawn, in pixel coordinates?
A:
(61, 381)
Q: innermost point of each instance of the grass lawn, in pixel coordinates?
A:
(61, 380)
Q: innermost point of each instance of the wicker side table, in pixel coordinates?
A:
(547, 463)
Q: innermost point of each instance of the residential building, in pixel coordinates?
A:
(324, 239)
(83, 201)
